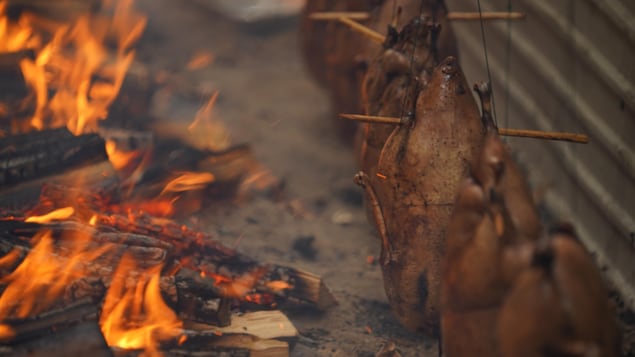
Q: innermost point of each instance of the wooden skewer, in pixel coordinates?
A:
(452, 16)
(536, 134)
(334, 15)
(372, 119)
(475, 16)
(372, 34)
(547, 135)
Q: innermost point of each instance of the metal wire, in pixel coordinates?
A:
(489, 75)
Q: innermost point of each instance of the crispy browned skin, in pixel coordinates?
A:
(497, 170)
(504, 291)
(423, 163)
(471, 290)
(559, 306)
(389, 88)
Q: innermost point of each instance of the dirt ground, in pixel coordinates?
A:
(268, 100)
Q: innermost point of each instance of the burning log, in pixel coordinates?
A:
(45, 324)
(97, 178)
(209, 256)
(59, 9)
(198, 299)
(41, 153)
(84, 339)
(13, 88)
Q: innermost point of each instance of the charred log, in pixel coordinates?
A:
(67, 343)
(45, 324)
(60, 9)
(38, 154)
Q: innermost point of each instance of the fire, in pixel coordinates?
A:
(42, 277)
(6, 332)
(189, 181)
(135, 317)
(16, 36)
(74, 64)
(200, 60)
(56, 215)
(118, 158)
(206, 132)
(278, 285)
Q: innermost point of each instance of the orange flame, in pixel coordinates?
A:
(135, 317)
(118, 158)
(44, 274)
(278, 285)
(206, 132)
(200, 60)
(56, 215)
(71, 61)
(189, 181)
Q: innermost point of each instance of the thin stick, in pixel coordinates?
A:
(372, 119)
(452, 16)
(548, 135)
(372, 34)
(536, 134)
(470, 16)
(334, 15)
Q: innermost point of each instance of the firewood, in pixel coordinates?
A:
(199, 300)
(97, 177)
(41, 153)
(13, 88)
(59, 9)
(83, 339)
(263, 333)
(49, 322)
(145, 250)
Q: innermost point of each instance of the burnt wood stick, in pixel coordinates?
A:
(266, 332)
(58, 9)
(10, 61)
(39, 154)
(27, 230)
(48, 322)
(83, 339)
(200, 300)
(94, 178)
(144, 249)
(13, 87)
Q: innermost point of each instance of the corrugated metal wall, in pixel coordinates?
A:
(570, 66)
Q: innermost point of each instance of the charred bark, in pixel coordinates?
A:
(39, 154)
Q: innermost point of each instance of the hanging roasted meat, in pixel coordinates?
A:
(337, 57)
(506, 289)
(420, 168)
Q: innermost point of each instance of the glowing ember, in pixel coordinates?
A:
(57, 215)
(189, 181)
(134, 315)
(6, 332)
(278, 285)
